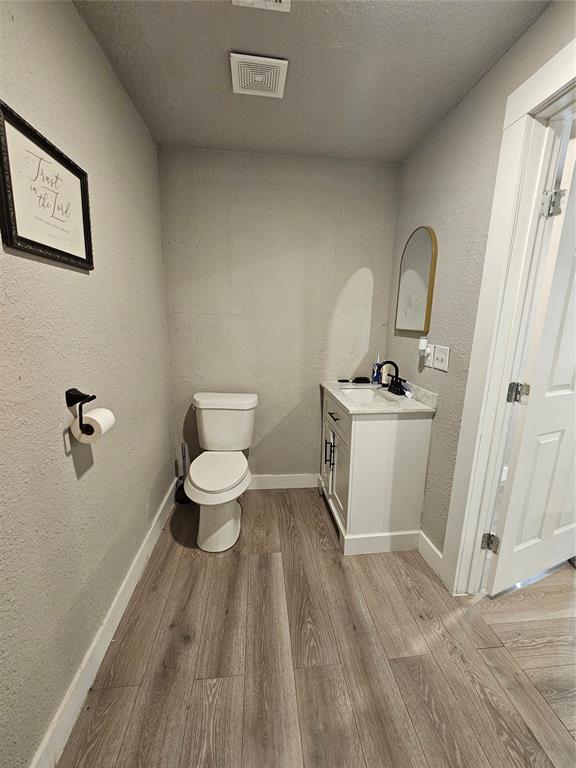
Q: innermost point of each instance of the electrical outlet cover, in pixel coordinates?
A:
(429, 359)
(441, 355)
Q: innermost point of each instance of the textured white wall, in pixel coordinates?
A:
(70, 524)
(448, 182)
(278, 277)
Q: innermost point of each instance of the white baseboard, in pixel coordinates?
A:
(262, 482)
(430, 553)
(366, 544)
(59, 730)
(369, 543)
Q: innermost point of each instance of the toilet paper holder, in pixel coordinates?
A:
(75, 397)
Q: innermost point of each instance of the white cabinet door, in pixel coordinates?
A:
(340, 478)
(326, 458)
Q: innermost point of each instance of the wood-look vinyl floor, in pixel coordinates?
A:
(283, 653)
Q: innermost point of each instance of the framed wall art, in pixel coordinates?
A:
(43, 196)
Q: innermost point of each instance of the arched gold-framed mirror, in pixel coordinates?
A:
(416, 281)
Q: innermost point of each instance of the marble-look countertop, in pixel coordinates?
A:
(422, 400)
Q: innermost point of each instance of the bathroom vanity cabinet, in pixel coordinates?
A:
(373, 466)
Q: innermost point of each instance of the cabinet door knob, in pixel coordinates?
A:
(327, 453)
(331, 413)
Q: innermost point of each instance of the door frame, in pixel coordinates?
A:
(517, 196)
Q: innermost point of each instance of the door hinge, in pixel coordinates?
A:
(490, 541)
(516, 391)
(552, 203)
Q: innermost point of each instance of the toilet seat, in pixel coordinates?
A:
(216, 477)
(217, 471)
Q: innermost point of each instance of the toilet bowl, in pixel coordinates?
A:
(220, 475)
(215, 480)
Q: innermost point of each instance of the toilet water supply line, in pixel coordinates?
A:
(179, 494)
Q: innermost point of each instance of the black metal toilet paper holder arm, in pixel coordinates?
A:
(75, 397)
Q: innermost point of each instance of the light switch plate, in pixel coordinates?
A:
(266, 5)
(429, 359)
(441, 355)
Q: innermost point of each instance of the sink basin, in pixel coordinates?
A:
(371, 399)
(361, 394)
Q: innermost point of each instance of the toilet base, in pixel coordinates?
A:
(219, 526)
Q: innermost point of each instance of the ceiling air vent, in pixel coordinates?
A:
(265, 5)
(257, 75)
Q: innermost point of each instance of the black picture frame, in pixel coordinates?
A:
(8, 204)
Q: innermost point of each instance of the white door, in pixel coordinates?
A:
(536, 519)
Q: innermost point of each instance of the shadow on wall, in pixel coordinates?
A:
(75, 620)
(351, 324)
(190, 432)
(83, 460)
(82, 456)
(319, 340)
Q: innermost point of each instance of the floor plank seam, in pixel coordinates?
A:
(423, 744)
(188, 699)
(327, 605)
(243, 709)
(548, 755)
(218, 677)
(299, 719)
(549, 710)
(152, 644)
(359, 585)
(536, 622)
(318, 666)
(410, 718)
(545, 702)
(292, 655)
(489, 647)
(126, 726)
(355, 716)
(115, 687)
(346, 683)
(164, 607)
(245, 657)
(531, 669)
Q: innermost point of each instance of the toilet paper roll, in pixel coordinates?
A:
(96, 422)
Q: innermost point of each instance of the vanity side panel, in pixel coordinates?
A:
(389, 459)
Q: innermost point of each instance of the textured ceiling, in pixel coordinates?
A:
(365, 80)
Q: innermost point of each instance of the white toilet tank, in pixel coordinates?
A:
(225, 421)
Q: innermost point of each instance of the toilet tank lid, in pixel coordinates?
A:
(225, 401)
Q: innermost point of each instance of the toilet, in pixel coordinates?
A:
(221, 474)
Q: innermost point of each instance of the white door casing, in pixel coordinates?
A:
(536, 525)
(526, 143)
